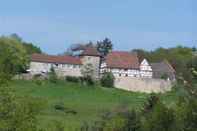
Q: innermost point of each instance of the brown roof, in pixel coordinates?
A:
(121, 59)
(55, 59)
(163, 66)
(90, 51)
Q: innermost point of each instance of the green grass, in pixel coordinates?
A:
(88, 102)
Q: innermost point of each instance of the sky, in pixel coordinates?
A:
(54, 25)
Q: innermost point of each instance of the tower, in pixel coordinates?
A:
(90, 55)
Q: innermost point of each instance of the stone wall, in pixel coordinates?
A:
(63, 70)
(146, 85)
(68, 72)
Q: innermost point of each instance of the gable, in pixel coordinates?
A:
(144, 63)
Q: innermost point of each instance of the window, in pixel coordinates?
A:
(119, 74)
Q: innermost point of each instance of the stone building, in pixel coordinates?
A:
(120, 63)
(65, 65)
(130, 74)
(91, 56)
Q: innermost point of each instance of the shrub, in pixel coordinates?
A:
(83, 80)
(37, 79)
(87, 80)
(107, 80)
(53, 76)
(72, 79)
(61, 107)
(160, 119)
(164, 76)
(151, 103)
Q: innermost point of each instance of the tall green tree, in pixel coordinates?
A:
(16, 113)
(29, 47)
(13, 56)
(105, 46)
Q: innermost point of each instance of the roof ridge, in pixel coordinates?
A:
(55, 59)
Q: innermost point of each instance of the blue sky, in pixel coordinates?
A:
(55, 24)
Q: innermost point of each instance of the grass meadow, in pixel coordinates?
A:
(83, 104)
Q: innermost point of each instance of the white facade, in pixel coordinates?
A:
(144, 71)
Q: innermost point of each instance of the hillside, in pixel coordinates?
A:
(81, 104)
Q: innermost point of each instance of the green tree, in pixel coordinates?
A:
(17, 113)
(187, 115)
(105, 46)
(13, 56)
(107, 80)
(31, 49)
(160, 119)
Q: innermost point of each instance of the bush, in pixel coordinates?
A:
(89, 80)
(37, 79)
(160, 119)
(151, 103)
(107, 80)
(53, 76)
(72, 79)
(61, 107)
(164, 76)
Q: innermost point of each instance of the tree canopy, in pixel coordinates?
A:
(29, 47)
(13, 56)
(105, 46)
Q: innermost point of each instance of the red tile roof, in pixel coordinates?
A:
(90, 51)
(55, 59)
(121, 59)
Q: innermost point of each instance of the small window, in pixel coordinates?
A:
(126, 75)
(119, 74)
